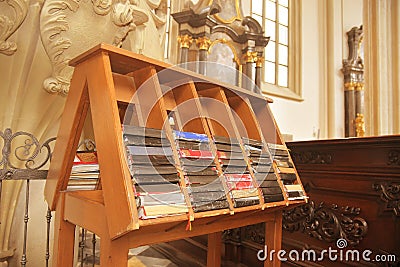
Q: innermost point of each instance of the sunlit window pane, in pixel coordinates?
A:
(283, 15)
(257, 7)
(269, 72)
(167, 24)
(273, 15)
(270, 10)
(283, 35)
(270, 29)
(284, 3)
(270, 51)
(167, 29)
(283, 55)
(166, 46)
(282, 76)
(258, 18)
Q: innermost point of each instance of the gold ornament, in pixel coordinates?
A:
(185, 40)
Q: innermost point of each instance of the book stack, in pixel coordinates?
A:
(261, 163)
(151, 163)
(85, 171)
(286, 171)
(237, 176)
(205, 188)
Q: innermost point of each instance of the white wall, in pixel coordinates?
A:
(321, 114)
(301, 119)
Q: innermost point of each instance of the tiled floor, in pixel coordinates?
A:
(146, 256)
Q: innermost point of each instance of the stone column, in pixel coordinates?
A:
(349, 109)
(259, 65)
(249, 59)
(359, 98)
(359, 109)
(353, 72)
(203, 43)
(185, 41)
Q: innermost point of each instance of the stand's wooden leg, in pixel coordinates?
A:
(64, 237)
(214, 249)
(113, 253)
(273, 239)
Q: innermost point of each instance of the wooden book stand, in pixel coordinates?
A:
(104, 80)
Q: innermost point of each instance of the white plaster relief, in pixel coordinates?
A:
(9, 25)
(70, 27)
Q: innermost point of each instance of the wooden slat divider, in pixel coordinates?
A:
(221, 110)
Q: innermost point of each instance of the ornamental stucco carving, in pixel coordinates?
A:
(10, 23)
(70, 27)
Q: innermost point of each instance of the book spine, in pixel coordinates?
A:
(215, 205)
(189, 153)
(191, 136)
(141, 151)
(273, 198)
(243, 202)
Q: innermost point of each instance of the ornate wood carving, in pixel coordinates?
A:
(394, 157)
(9, 25)
(311, 157)
(232, 235)
(254, 233)
(327, 223)
(390, 195)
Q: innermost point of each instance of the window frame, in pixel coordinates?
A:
(294, 89)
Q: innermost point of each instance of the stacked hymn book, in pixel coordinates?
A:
(157, 183)
(85, 171)
(175, 150)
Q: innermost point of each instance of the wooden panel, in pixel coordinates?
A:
(188, 108)
(147, 95)
(86, 209)
(125, 88)
(163, 232)
(64, 235)
(218, 113)
(267, 123)
(273, 237)
(244, 117)
(124, 62)
(214, 249)
(67, 138)
(348, 182)
(356, 173)
(118, 192)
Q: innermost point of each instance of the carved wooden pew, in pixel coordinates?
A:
(354, 190)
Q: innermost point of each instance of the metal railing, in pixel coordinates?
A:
(24, 158)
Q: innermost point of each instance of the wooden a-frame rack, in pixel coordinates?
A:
(104, 80)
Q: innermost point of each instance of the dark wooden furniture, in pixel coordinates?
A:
(354, 190)
(105, 80)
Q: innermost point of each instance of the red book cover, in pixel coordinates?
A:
(240, 185)
(238, 177)
(189, 153)
(85, 158)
